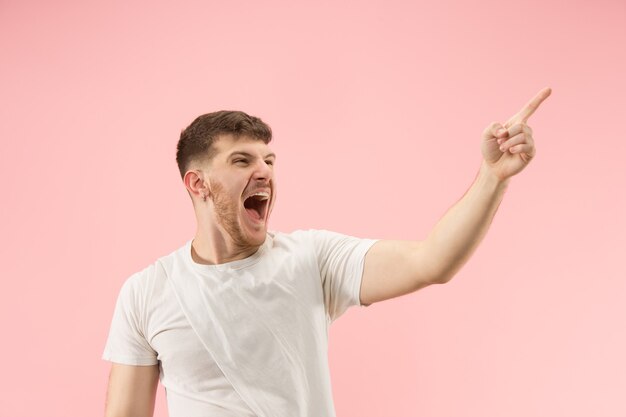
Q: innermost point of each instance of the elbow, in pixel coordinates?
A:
(445, 273)
(442, 278)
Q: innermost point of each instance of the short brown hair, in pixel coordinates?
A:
(196, 140)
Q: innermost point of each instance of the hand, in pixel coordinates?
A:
(508, 148)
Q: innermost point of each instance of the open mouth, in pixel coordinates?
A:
(256, 205)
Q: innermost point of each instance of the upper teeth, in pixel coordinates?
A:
(263, 195)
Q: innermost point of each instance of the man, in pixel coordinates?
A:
(235, 322)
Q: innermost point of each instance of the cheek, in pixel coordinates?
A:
(229, 187)
(231, 198)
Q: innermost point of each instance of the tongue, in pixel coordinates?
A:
(253, 213)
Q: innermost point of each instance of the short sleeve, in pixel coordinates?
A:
(127, 343)
(340, 259)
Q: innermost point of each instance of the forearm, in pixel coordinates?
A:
(459, 232)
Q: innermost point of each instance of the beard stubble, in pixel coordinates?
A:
(227, 215)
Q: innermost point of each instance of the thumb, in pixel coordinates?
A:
(495, 129)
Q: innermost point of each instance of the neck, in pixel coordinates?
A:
(213, 245)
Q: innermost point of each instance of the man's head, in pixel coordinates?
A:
(227, 167)
(196, 141)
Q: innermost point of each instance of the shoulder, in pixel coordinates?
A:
(301, 235)
(295, 245)
(151, 277)
(136, 287)
(316, 239)
(297, 239)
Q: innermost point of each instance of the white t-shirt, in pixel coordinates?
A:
(270, 313)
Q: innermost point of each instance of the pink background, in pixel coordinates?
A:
(377, 109)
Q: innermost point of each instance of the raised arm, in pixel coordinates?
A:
(132, 391)
(395, 268)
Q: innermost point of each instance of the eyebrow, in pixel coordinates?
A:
(249, 155)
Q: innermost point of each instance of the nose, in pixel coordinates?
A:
(263, 171)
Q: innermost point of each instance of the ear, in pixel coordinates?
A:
(196, 184)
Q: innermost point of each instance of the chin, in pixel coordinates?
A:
(247, 235)
(257, 238)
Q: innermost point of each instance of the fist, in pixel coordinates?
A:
(508, 148)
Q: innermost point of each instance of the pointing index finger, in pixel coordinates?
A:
(523, 115)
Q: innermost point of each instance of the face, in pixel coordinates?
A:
(242, 190)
